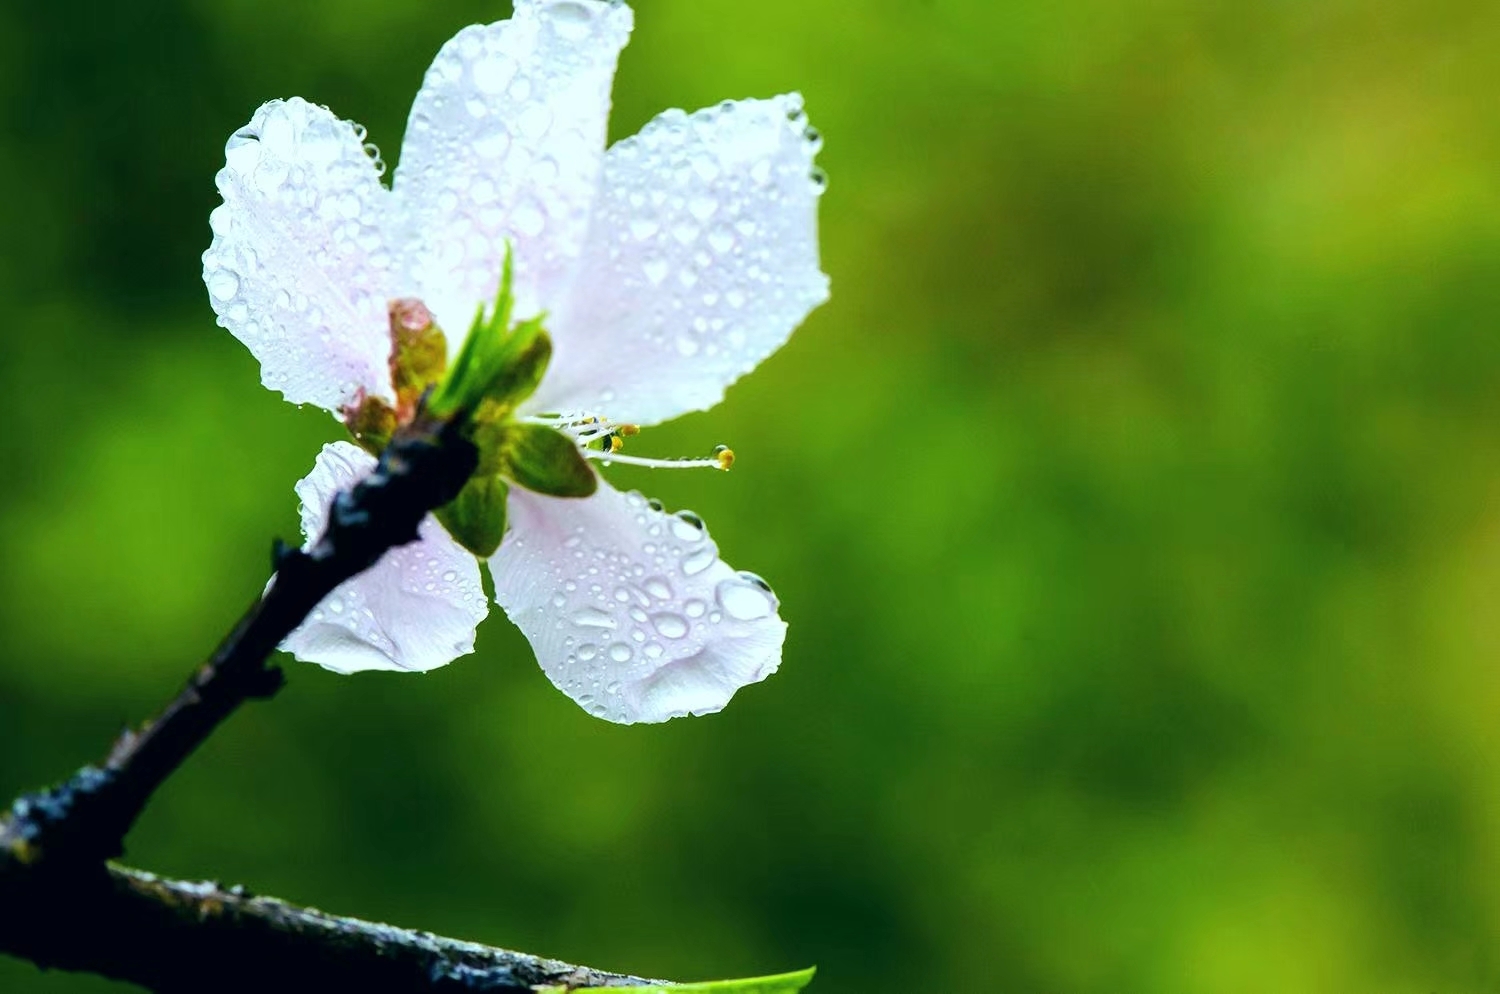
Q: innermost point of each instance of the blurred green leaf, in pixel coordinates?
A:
(783, 983)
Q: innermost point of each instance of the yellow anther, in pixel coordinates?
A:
(616, 443)
(724, 455)
(629, 429)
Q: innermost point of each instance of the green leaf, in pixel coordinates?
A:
(784, 983)
(546, 461)
(476, 517)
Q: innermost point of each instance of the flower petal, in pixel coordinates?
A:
(702, 258)
(298, 269)
(630, 610)
(505, 141)
(416, 609)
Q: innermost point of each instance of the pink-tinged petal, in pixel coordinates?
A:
(416, 609)
(701, 259)
(504, 142)
(299, 269)
(630, 610)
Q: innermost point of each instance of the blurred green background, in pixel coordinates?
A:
(1133, 504)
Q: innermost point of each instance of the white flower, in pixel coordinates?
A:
(668, 266)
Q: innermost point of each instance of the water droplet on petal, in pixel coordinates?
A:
(528, 219)
(620, 652)
(698, 562)
(669, 625)
(743, 600)
(656, 270)
(223, 284)
(592, 617)
(687, 526)
(492, 75)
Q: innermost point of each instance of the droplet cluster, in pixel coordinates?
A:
(298, 268)
(415, 609)
(630, 609)
(701, 260)
(504, 141)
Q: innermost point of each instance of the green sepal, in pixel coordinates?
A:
(497, 363)
(518, 369)
(785, 983)
(476, 517)
(546, 461)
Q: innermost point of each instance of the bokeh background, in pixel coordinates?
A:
(1133, 504)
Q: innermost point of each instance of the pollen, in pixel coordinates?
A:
(724, 455)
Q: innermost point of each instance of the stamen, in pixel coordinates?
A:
(714, 462)
(586, 429)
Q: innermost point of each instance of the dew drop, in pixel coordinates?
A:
(592, 617)
(756, 579)
(570, 19)
(620, 652)
(528, 219)
(721, 240)
(492, 75)
(656, 270)
(242, 151)
(492, 146)
(687, 526)
(698, 562)
(223, 284)
(743, 600)
(669, 625)
(702, 207)
(659, 588)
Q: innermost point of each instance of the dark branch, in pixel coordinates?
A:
(86, 818)
(62, 906)
(184, 938)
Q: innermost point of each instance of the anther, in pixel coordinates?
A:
(724, 456)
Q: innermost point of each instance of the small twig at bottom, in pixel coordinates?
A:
(175, 937)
